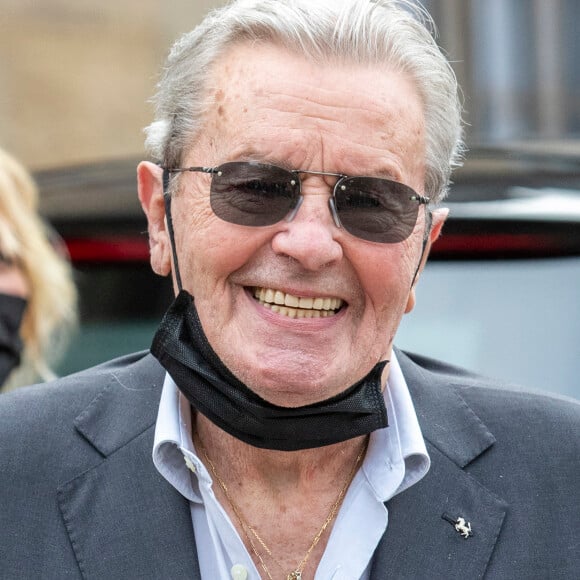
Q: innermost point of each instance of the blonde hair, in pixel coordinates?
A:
(51, 312)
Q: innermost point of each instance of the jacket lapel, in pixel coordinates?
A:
(124, 520)
(421, 541)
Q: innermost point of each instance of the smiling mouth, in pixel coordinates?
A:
(296, 306)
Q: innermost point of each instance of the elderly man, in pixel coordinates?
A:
(276, 432)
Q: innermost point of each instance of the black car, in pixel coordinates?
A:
(499, 294)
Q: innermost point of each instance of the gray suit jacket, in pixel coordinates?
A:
(80, 497)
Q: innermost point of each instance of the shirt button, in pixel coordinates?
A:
(239, 572)
(189, 463)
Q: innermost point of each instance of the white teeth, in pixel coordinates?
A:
(267, 295)
(293, 301)
(295, 306)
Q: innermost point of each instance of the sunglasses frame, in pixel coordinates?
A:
(341, 177)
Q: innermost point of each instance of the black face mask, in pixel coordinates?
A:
(11, 313)
(182, 348)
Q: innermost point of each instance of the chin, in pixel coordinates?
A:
(294, 389)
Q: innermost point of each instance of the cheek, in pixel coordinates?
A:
(210, 250)
(387, 272)
(385, 276)
(197, 236)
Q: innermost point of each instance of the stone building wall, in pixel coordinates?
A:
(76, 75)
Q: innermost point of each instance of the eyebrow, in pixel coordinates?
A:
(252, 154)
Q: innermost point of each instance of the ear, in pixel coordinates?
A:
(438, 218)
(150, 187)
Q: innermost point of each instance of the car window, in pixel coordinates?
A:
(121, 305)
(514, 319)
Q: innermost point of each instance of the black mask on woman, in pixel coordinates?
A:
(11, 312)
(184, 351)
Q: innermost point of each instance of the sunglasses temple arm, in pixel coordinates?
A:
(167, 202)
(428, 222)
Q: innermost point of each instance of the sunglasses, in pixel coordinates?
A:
(257, 194)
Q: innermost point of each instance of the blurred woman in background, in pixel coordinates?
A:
(38, 299)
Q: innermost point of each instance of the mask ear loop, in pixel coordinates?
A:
(428, 223)
(167, 203)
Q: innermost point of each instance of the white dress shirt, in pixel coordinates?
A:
(396, 459)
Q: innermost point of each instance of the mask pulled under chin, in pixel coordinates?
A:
(183, 350)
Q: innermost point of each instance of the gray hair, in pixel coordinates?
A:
(398, 34)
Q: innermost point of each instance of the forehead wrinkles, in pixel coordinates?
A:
(320, 94)
(263, 96)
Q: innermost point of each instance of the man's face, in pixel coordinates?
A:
(272, 106)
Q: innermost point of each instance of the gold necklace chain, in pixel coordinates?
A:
(296, 574)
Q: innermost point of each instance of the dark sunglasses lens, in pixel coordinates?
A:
(377, 210)
(253, 194)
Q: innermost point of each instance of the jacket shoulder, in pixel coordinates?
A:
(39, 421)
(488, 391)
(65, 396)
(511, 413)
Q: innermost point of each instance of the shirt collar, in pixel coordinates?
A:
(173, 452)
(396, 457)
(413, 449)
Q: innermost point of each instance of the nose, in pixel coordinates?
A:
(310, 237)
